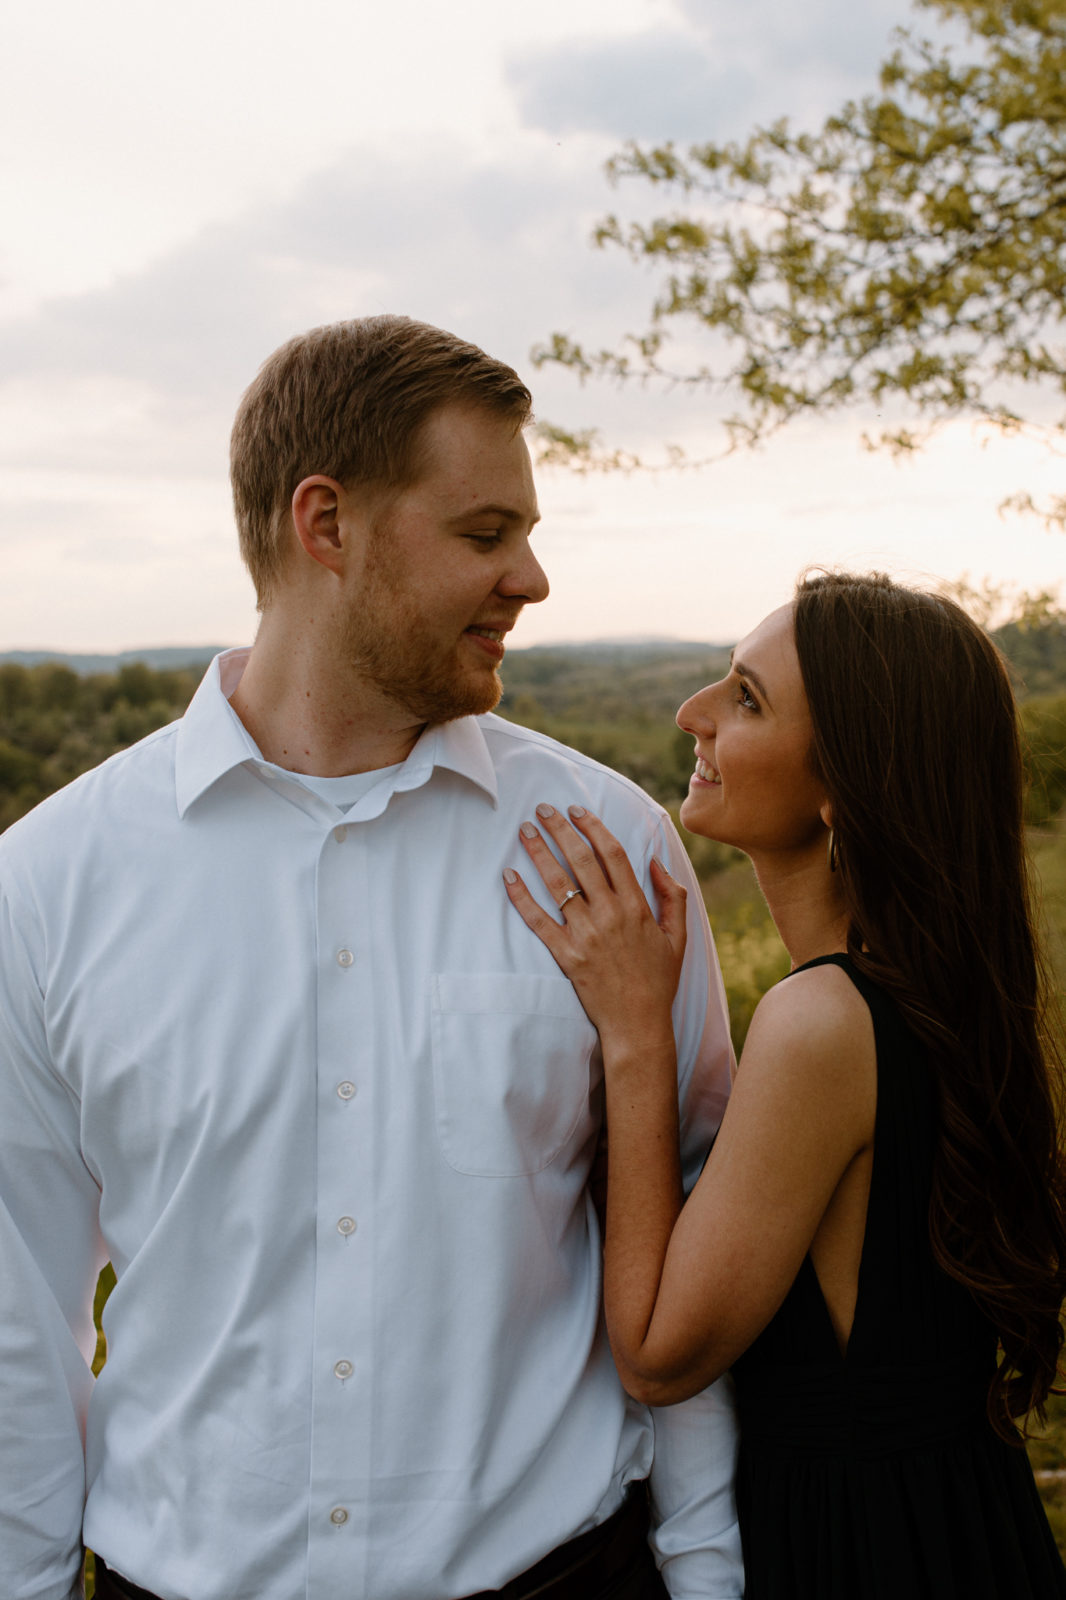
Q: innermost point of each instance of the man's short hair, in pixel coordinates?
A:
(349, 401)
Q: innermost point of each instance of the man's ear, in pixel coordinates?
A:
(316, 520)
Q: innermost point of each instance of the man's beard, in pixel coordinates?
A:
(395, 657)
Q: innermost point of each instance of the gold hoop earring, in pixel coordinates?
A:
(831, 851)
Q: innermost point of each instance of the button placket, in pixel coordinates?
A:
(341, 1398)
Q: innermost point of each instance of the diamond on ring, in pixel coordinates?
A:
(565, 901)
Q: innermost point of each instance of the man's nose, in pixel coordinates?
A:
(526, 578)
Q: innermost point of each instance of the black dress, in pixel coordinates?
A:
(876, 1475)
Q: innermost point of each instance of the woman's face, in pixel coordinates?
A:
(753, 787)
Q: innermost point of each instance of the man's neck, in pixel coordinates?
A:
(308, 715)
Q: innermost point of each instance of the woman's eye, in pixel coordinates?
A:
(747, 699)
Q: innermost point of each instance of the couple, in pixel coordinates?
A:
(274, 1042)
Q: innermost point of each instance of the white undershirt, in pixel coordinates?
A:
(343, 792)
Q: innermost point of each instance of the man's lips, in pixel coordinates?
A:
(490, 640)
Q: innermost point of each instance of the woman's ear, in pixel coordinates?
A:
(825, 811)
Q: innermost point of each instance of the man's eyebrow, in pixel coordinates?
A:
(753, 677)
(491, 509)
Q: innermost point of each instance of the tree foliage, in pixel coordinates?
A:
(55, 724)
(912, 251)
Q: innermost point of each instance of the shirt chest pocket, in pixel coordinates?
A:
(511, 1070)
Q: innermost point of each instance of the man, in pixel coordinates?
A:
(274, 1042)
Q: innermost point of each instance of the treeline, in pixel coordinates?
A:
(55, 723)
(616, 702)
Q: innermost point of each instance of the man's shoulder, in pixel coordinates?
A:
(533, 754)
(126, 781)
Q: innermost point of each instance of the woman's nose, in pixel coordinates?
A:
(697, 714)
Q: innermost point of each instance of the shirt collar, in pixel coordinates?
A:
(212, 740)
(461, 747)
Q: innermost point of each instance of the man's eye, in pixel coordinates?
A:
(485, 540)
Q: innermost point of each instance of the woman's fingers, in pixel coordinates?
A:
(557, 880)
(614, 864)
(597, 862)
(622, 960)
(533, 914)
(586, 870)
(672, 897)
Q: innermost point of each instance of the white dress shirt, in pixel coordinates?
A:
(329, 1107)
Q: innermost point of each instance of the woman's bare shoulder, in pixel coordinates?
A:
(816, 1017)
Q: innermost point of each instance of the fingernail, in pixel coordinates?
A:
(545, 810)
(509, 875)
(528, 831)
(577, 811)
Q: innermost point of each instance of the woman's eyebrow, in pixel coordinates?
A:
(753, 677)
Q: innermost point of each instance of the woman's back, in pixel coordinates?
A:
(875, 1471)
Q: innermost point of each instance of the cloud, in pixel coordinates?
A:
(834, 37)
(655, 86)
(142, 376)
(670, 83)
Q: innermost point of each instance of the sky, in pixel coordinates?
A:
(183, 188)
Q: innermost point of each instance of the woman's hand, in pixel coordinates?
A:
(623, 963)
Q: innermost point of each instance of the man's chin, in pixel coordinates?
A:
(470, 696)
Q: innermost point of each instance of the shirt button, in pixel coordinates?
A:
(342, 1369)
(346, 1090)
(338, 1516)
(344, 958)
(340, 833)
(346, 1225)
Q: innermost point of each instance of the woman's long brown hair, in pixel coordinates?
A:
(916, 740)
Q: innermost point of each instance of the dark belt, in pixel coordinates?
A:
(577, 1570)
(585, 1566)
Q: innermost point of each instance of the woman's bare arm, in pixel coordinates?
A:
(687, 1290)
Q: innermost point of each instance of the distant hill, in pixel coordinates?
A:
(620, 675)
(169, 657)
(614, 674)
(615, 699)
(166, 659)
(609, 680)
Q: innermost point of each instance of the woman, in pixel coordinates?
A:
(877, 1244)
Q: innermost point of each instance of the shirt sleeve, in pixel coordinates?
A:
(695, 1537)
(50, 1257)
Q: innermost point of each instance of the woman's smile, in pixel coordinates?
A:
(705, 775)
